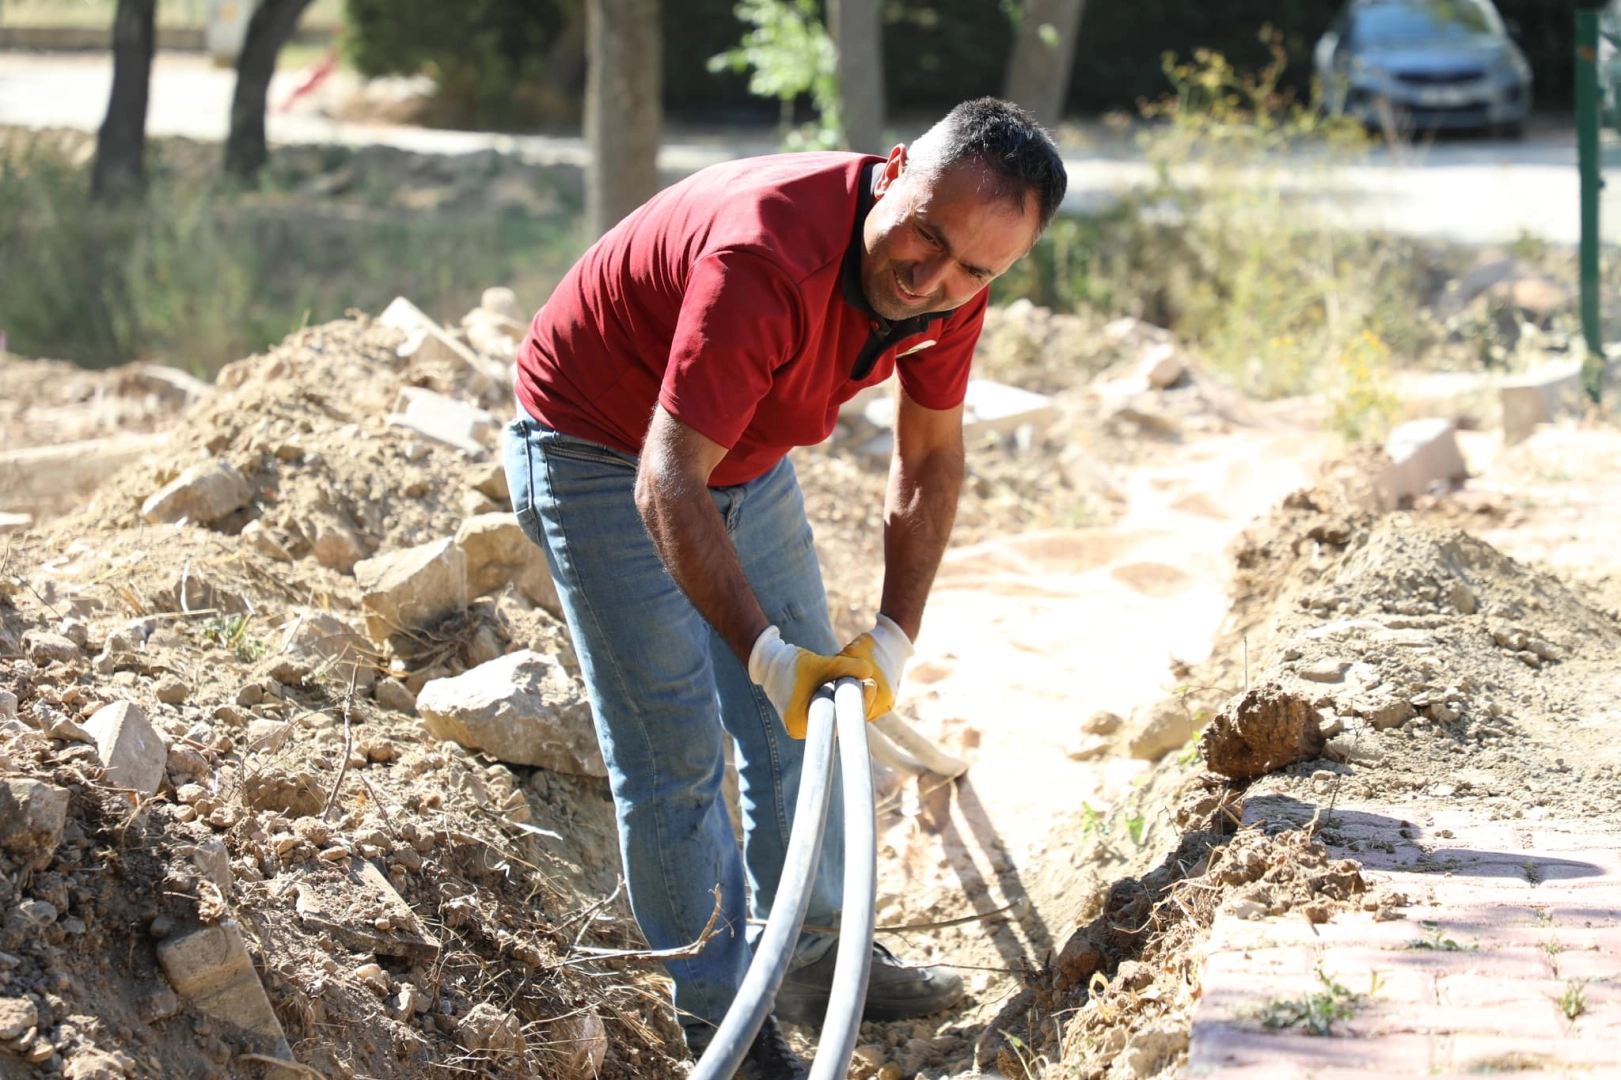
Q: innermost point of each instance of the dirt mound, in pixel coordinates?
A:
(242, 794)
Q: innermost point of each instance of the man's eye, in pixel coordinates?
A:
(927, 236)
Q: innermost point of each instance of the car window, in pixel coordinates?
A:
(1423, 22)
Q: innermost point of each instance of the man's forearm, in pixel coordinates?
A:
(692, 540)
(919, 508)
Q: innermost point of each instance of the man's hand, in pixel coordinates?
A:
(887, 648)
(790, 676)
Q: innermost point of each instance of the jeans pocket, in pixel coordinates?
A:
(518, 458)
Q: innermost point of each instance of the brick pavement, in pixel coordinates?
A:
(1508, 923)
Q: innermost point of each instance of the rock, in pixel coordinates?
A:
(256, 536)
(1102, 723)
(502, 301)
(484, 647)
(992, 407)
(45, 648)
(75, 631)
(211, 969)
(394, 695)
(171, 689)
(327, 641)
(201, 495)
(13, 522)
(266, 736)
(582, 1042)
(497, 551)
(1151, 1048)
(333, 543)
(17, 1015)
(1163, 365)
(1326, 671)
(130, 748)
(1424, 456)
(296, 794)
(185, 762)
(492, 335)
(486, 1027)
(1264, 730)
(8, 705)
(412, 589)
(522, 708)
(1087, 748)
(390, 927)
(93, 1064)
(444, 419)
(490, 480)
(213, 861)
(374, 977)
(475, 503)
(1540, 398)
(160, 1004)
(1161, 728)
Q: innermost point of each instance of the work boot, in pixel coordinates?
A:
(895, 990)
(769, 1057)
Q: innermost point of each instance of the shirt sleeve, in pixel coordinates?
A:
(741, 318)
(936, 377)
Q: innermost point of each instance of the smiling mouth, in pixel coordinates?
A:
(908, 294)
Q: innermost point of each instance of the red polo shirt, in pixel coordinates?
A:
(733, 299)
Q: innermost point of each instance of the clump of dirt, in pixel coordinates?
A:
(1264, 730)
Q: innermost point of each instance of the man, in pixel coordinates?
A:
(663, 383)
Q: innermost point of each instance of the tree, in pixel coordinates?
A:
(1043, 54)
(120, 168)
(622, 108)
(858, 35)
(272, 24)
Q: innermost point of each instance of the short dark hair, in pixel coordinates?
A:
(1007, 141)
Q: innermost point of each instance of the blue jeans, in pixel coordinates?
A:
(665, 691)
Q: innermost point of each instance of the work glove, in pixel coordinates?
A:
(887, 648)
(790, 676)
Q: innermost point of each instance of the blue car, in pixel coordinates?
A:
(1424, 65)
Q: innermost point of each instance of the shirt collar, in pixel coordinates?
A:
(850, 272)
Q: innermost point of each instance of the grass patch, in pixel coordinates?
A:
(1316, 1013)
(1573, 1002)
(200, 272)
(1435, 939)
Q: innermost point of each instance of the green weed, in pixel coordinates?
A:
(1573, 1002)
(1435, 938)
(1316, 1013)
(231, 632)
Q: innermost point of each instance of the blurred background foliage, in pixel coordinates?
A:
(515, 66)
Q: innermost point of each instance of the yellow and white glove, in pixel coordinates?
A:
(790, 676)
(887, 648)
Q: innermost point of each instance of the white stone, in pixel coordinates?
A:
(995, 407)
(12, 522)
(333, 543)
(8, 705)
(444, 419)
(211, 969)
(325, 639)
(32, 816)
(411, 589)
(130, 748)
(1162, 365)
(521, 708)
(1423, 454)
(201, 495)
(1539, 399)
(497, 551)
(500, 300)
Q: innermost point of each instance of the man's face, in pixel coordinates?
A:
(930, 244)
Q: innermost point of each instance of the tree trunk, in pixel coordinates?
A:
(857, 32)
(1038, 72)
(120, 168)
(272, 24)
(622, 108)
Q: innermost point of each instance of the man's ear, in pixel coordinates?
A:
(891, 171)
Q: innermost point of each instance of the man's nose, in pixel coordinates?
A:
(930, 275)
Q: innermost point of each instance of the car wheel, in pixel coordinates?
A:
(1513, 131)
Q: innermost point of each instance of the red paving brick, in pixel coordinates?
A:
(1533, 909)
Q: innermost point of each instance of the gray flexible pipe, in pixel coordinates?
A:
(854, 963)
(771, 956)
